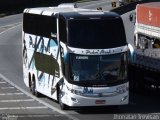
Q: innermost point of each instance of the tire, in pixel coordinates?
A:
(131, 77)
(115, 108)
(140, 84)
(33, 89)
(59, 96)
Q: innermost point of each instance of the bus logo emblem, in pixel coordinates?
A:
(100, 95)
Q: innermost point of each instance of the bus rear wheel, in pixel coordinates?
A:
(59, 96)
(33, 88)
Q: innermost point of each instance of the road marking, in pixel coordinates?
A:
(10, 29)
(26, 116)
(10, 25)
(15, 117)
(2, 82)
(25, 100)
(11, 94)
(39, 100)
(17, 108)
(7, 88)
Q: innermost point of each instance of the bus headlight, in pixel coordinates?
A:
(77, 92)
(124, 98)
(122, 89)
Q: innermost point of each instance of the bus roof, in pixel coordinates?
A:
(86, 15)
(70, 12)
(54, 10)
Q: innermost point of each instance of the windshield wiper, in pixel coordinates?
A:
(99, 76)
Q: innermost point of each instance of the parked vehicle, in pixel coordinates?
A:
(145, 54)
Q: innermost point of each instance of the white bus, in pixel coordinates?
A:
(75, 56)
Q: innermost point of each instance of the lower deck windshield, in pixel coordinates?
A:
(98, 69)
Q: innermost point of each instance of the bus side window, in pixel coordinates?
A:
(62, 60)
(64, 64)
(63, 38)
(62, 30)
(39, 25)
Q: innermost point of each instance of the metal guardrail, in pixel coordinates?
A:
(126, 8)
(18, 5)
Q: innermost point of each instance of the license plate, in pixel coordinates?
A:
(100, 102)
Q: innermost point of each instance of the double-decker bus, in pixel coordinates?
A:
(75, 56)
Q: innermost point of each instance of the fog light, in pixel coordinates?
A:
(74, 99)
(124, 98)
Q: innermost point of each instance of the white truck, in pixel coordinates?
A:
(145, 54)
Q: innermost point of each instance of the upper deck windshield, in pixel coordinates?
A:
(98, 70)
(96, 33)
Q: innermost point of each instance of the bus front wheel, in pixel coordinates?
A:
(59, 96)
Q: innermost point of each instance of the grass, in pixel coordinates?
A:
(19, 11)
(3, 14)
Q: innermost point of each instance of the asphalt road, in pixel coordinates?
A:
(15, 98)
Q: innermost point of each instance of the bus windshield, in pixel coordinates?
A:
(96, 33)
(98, 69)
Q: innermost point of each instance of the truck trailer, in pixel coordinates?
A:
(145, 53)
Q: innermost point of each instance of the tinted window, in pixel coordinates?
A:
(96, 33)
(39, 25)
(109, 69)
(62, 30)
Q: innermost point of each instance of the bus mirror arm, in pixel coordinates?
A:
(60, 82)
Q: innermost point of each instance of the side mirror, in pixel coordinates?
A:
(132, 17)
(99, 8)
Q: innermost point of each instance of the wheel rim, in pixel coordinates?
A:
(59, 97)
(63, 107)
(33, 87)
